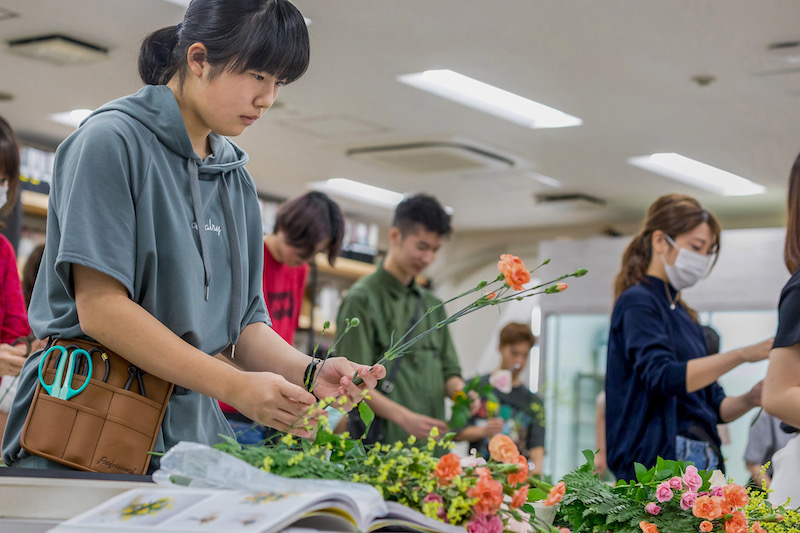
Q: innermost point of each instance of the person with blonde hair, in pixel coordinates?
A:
(662, 395)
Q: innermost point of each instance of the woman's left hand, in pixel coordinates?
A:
(335, 378)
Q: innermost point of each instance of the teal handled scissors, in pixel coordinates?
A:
(62, 384)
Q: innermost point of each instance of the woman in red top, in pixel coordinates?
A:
(304, 226)
(13, 318)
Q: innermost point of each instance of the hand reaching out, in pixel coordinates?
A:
(11, 359)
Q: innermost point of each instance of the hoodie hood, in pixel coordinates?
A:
(156, 107)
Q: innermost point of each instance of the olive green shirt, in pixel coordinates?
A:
(385, 308)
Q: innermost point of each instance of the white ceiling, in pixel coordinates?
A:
(625, 67)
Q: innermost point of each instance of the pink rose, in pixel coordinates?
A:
(716, 491)
(652, 508)
(692, 479)
(501, 380)
(663, 492)
(481, 523)
(675, 483)
(687, 500)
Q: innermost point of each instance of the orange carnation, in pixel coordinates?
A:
(757, 528)
(556, 493)
(503, 449)
(647, 527)
(709, 507)
(489, 493)
(737, 523)
(513, 270)
(522, 474)
(735, 495)
(706, 526)
(449, 467)
(520, 497)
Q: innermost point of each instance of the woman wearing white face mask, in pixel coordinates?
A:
(662, 398)
(13, 317)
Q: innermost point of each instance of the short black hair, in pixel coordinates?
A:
(310, 219)
(421, 209)
(262, 35)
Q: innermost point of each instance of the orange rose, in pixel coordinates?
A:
(522, 474)
(735, 495)
(503, 449)
(647, 527)
(489, 493)
(520, 497)
(556, 493)
(709, 507)
(737, 523)
(449, 467)
(706, 526)
(513, 270)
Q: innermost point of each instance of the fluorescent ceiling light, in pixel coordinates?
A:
(545, 180)
(697, 174)
(489, 99)
(359, 191)
(71, 118)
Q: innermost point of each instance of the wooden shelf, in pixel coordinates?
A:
(345, 268)
(34, 203)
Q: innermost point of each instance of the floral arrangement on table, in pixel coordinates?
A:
(671, 497)
(482, 496)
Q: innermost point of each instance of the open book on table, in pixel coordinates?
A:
(182, 509)
(227, 494)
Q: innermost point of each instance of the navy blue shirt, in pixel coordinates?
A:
(647, 405)
(788, 333)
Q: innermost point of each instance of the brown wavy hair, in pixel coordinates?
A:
(791, 248)
(515, 332)
(674, 214)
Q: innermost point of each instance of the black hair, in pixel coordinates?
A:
(421, 209)
(9, 164)
(310, 219)
(262, 35)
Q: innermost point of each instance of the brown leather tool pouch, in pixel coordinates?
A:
(109, 427)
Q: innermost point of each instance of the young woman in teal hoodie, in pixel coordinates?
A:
(154, 242)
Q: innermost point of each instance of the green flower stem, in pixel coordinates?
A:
(399, 348)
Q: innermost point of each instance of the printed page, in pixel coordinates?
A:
(401, 516)
(182, 510)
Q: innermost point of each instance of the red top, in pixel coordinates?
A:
(284, 288)
(13, 316)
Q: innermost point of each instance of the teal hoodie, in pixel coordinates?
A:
(131, 199)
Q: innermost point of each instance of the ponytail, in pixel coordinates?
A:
(158, 61)
(635, 262)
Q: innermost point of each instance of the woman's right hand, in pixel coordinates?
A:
(11, 359)
(758, 351)
(271, 400)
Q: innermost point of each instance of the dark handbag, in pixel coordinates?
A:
(110, 426)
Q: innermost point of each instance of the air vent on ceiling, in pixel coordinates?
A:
(58, 49)
(568, 198)
(433, 157)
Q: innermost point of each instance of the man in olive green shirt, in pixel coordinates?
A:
(411, 398)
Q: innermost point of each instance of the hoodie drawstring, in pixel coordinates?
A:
(236, 263)
(234, 311)
(197, 206)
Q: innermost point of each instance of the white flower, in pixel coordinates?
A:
(501, 380)
(717, 479)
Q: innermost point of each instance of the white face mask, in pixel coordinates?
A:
(3, 195)
(689, 268)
